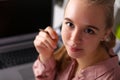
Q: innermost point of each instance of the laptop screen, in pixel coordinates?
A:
(19, 20)
(18, 17)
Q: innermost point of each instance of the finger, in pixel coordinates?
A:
(40, 47)
(39, 43)
(46, 43)
(42, 44)
(52, 33)
(48, 39)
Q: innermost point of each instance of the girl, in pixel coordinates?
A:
(88, 40)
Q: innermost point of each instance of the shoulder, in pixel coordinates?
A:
(106, 70)
(113, 70)
(112, 74)
(117, 73)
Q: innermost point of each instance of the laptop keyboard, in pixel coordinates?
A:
(18, 57)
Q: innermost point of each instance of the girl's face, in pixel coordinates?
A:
(83, 28)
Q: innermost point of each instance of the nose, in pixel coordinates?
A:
(76, 35)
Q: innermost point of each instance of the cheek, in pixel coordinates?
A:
(92, 43)
(65, 34)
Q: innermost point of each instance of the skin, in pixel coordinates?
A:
(82, 31)
(45, 43)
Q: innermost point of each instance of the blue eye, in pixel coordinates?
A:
(69, 24)
(89, 31)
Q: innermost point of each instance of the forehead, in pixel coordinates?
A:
(81, 11)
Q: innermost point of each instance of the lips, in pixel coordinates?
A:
(75, 49)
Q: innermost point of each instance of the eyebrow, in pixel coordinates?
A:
(68, 19)
(90, 26)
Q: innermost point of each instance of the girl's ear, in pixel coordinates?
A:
(107, 35)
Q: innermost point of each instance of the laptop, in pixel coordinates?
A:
(20, 21)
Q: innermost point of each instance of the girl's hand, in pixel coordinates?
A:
(45, 43)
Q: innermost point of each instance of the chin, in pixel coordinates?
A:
(75, 55)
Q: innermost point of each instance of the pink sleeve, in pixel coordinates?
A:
(44, 71)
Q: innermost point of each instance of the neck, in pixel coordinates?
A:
(96, 57)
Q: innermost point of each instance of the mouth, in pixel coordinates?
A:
(75, 49)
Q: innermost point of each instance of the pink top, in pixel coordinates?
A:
(106, 70)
